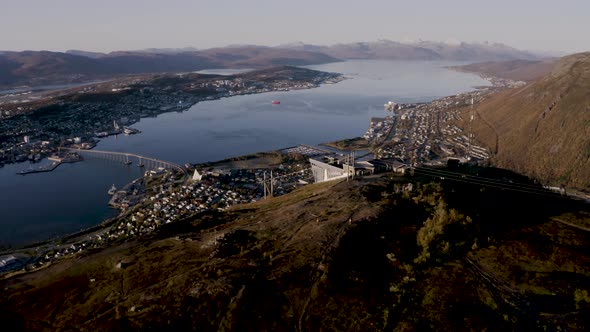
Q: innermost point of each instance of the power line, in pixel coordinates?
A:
(480, 178)
(498, 186)
(486, 181)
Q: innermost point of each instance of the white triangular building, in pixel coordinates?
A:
(197, 176)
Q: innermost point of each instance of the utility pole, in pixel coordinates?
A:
(268, 188)
(347, 163)
(470, 131)
(264, 184)
(271, 185)
(352, 163)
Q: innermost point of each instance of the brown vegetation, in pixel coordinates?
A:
(332, 256)
(543, 129)
(516, 70)
(357, 143)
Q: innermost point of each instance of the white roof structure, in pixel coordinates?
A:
(323, 172)
(197, 176)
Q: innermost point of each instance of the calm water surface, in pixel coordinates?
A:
(73, 197)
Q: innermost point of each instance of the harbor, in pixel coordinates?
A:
(56, 161)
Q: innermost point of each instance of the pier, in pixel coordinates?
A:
(56, 161)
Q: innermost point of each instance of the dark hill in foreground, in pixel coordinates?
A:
(370, 254)
(543, 128)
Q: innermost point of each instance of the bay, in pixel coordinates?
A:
(40, 206)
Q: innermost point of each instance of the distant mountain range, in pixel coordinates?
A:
(44, 67)
(420, 50)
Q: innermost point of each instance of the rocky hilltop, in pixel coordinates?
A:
(543, 128)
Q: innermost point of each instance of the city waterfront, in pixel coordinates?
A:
(39, 206)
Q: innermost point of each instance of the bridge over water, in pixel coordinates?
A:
(147, 163)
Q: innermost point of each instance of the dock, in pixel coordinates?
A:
(56, 161)
(42, 169)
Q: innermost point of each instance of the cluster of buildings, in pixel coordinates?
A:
(429, 133)
(331, 168)
(172, 205)
(379, 129)
(174, 200)
(26, 150)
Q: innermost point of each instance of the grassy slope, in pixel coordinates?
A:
(517, 70)
(336, 256)
(544, 127)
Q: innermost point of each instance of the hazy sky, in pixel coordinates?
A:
(106, 25)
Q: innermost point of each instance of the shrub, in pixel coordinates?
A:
(442, 232)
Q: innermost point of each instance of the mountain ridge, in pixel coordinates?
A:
(543, 129)
(46, 67)
(419, 50)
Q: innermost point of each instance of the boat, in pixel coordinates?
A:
(276, 102)
(113, 190)
(391, 106)
(130, 131)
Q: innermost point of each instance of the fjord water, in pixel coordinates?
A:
(40, 206)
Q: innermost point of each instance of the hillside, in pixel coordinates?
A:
(516, 70)
(369, 254)
(38, 68)
(543, 128)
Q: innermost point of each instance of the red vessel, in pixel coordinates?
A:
(276, 102)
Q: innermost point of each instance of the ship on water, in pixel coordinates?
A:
(113, 190)
(391, 106)
(276, 102)
(130, 131)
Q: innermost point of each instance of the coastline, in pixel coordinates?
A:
(35, 251)
(188, 101)
(111, 221)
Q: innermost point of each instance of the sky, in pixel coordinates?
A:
(108, 25)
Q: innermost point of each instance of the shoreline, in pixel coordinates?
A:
(92, 141)
(325, 147)
(109, 222)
